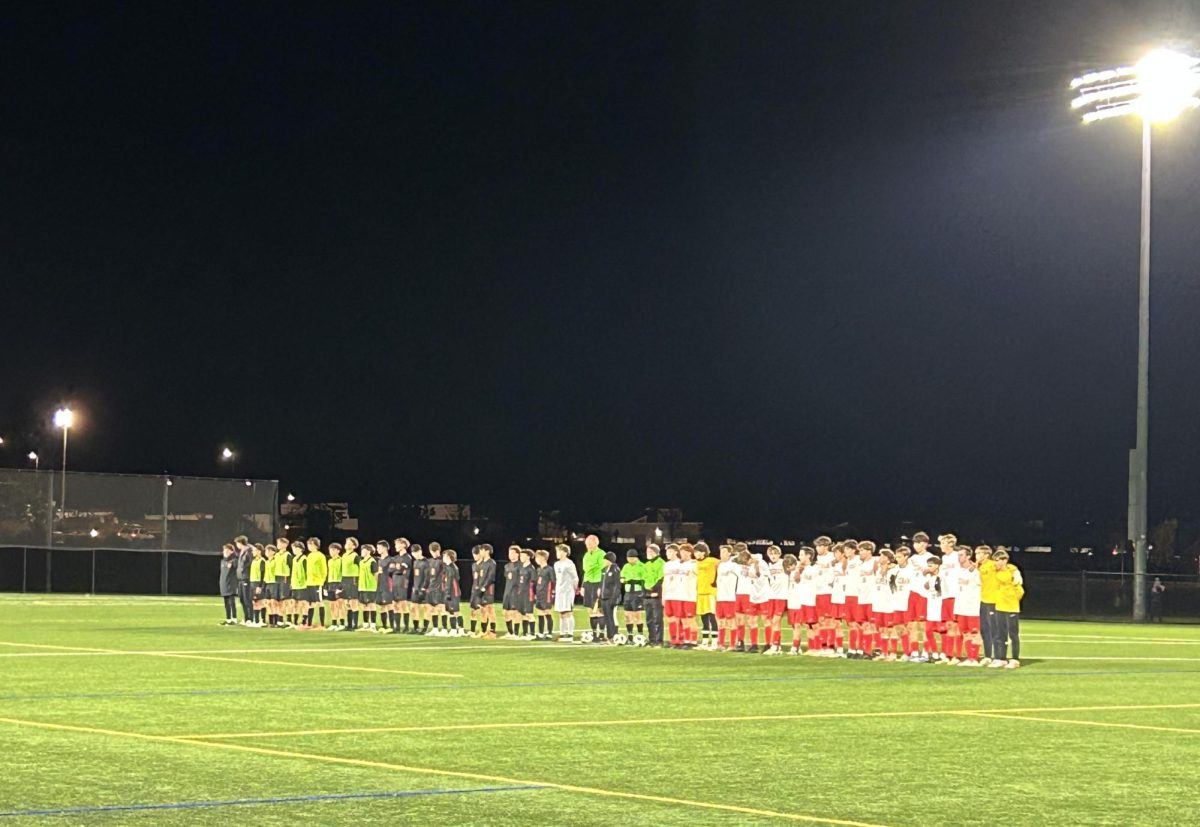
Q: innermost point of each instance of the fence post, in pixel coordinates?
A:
(49, 554)
(24, 568)
(1083, 595)
(93, 571)
(166, 556)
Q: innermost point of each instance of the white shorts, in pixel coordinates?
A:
(564, 601)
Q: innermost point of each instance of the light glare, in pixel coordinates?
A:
(64, 418)
(1161, 86)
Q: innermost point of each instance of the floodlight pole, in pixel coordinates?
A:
(1138, 456)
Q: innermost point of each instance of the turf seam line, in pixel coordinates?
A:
(358, 762)
(243, 802)
(658, 721)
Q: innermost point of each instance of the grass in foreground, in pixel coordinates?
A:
(145, 711)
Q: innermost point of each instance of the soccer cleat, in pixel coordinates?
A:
(752, 649)
(1013, 664)
(996, 664)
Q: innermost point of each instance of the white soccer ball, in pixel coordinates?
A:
(586, 637)
(620, 639)
(639, 640)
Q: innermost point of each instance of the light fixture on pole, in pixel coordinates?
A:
(291, 498)
(33, 457)
(1161, 86)
(64, 418)
(227, 455)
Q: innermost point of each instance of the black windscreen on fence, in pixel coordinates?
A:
(44, 509)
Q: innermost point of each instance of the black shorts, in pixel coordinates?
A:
(400, 590)
(591, 595)
(433, 598)
(384, 596)
(510, 601)
(476, 600)
(453, 605)
(524, 605)
(634, 601)
(284, 588)
(543, 605)
(350, 588)
(334, 591)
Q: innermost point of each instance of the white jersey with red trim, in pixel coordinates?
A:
(949, 575)
(794, 589)
(759, 586)
(966, 601)
(777, 580)
(687, 581)
(727, 581)
(903, 578)
(864, 573)
(885, 597)
(746, 574)
(931, 588)
(839, 582)
(825, 578)
(671, 580)
(809, 576)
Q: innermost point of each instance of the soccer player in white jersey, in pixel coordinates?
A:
(566, 586)
(838, 598)
(903, 577)
(747, 571)
(807, 574)
(760, 599)
(862, 630)
(882, 609)
(795, 611)
(931, 587)
(966, 610)
(918, 561)
(687, 596)
(824, 562)
(776, 603)
(727, 579)
(672, 578)
(949, 574)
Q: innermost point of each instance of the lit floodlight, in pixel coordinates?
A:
(64, 418)
(226, 453)
(1162, 85)
(291, 498)
(475, 531)
(33, 457)
(93, 533)
(248, 483)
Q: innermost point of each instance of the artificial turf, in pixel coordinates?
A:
(147, 711)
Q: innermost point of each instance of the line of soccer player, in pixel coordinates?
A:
(845, 599)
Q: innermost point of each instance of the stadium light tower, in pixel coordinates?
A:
(33, 457)
(1160, 87)
(64, 418)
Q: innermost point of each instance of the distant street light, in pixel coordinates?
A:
(291, 498)
(33, 457)
(475, 531)
(64, 418)
(93, 533)
(1160, 87)
(227, 455)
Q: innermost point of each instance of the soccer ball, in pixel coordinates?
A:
(620, 639)
(639, 640)
(586, 637)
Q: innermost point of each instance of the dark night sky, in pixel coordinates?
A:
(818, 259)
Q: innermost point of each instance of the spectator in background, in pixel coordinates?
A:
(1156, 599)
(229, 583)
(245, 553)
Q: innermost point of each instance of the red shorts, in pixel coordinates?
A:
(917, 605)
(838, 611)
(687, 608)
(743, 604)
(824, 605)
(947, 608)
(726, 609)
(670, 608)
(808, 614)
(795, 617)
(881, 619)
(757, 609)
(860, 612)
(774, 608)
(967, 623)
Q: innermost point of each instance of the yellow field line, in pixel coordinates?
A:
(358, 762)
(655, 721)
(1113, 724)
(314, 665)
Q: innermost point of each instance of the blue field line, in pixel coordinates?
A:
(243, 802)
(940, 674)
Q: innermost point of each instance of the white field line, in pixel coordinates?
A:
(280, 650)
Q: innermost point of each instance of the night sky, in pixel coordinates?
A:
(754, 259)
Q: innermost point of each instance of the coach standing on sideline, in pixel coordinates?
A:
(652, 577)
(244, 554)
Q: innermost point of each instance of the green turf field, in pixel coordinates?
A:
(122, 703)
